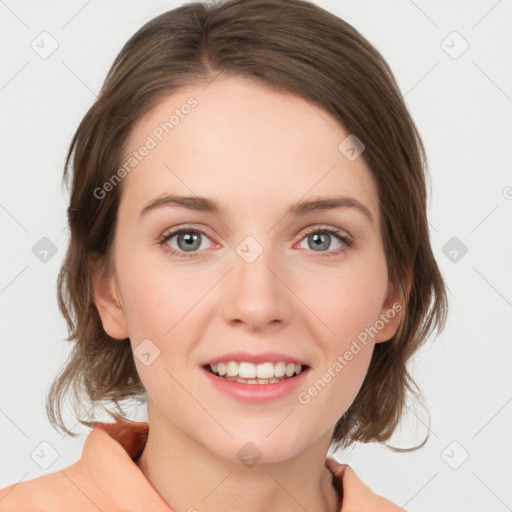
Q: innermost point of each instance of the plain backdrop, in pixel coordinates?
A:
(452, 62)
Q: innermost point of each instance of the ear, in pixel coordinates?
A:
(105, 292)
(393, 310)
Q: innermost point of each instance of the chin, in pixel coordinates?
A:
(258, 446)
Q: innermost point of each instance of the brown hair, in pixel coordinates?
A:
(293, 46)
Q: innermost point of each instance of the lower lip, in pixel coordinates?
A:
(256, 393)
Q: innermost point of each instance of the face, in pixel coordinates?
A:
(245, 271)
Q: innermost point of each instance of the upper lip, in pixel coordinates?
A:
(273, 357)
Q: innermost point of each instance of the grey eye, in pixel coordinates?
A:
(188, 241)
(320, 241)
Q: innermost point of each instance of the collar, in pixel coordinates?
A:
(122, 443)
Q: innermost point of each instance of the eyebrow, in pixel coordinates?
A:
(300, 208)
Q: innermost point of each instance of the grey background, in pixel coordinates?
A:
(462, 105)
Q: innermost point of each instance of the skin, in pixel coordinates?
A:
(255, 152)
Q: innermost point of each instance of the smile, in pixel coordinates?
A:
(252, 378)
(250, 373)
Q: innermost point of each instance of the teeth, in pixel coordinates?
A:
(279, 369)
(246, 370)
(231, 368)
(249, 373)
(265, 370)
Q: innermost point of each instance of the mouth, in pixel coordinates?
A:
(246, 372)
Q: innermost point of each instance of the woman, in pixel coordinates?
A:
(249, 255)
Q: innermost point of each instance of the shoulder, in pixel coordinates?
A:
(71, 488)
(104, 478)
(357, 496)
(54, 491)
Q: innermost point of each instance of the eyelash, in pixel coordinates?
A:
(346, 240)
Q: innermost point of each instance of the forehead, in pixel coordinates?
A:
(242, 142)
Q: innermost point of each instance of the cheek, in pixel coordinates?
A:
(349, 305)
(159, 315)
(348, 302)
(156, 300)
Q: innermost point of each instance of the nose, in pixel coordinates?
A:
(256, 293)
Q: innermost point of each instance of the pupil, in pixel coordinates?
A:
(191, 241)
(318, 242)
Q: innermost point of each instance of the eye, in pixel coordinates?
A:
(187, 242)
(318, 239)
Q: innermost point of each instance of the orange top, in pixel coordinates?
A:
(106, 478)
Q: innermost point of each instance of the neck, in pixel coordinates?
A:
(191, 478)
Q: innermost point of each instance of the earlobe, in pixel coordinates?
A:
(107, 302)
(392, 312)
